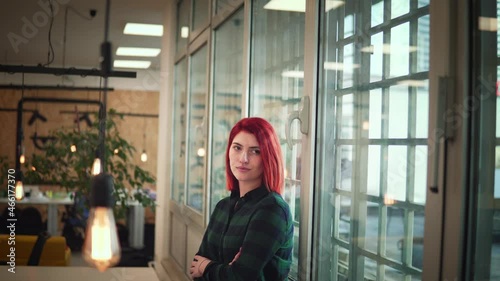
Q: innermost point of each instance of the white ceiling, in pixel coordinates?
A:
(24, 29)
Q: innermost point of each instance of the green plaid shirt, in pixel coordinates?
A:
(261, 225)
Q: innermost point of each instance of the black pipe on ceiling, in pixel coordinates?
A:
(39, 69)
(144, 115)
(55, 88)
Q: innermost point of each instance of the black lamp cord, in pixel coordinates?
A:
(50, 54)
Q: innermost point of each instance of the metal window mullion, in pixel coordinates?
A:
(385, 82)
(337, 183)
(358, 187)
(386, 39)
(209, 115)
(391, 263)
(188, 126)
(325, 250)
(409, 218)
(384, 151)
(356, 263)
(413, 142)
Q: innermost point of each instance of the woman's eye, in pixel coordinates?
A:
(236, 147)
(256, 152)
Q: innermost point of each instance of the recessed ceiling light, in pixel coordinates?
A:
(143, 29)
(332, 65)
(293, 74)
(488, 24)
(184, 32)
(286, 5)
(332, 5)
(299, 5)
(131, 64)
(414, 83)
(137, 52)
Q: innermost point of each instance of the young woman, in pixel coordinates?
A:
(250, 233)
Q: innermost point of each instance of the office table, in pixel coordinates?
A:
(61, 273)
(135, 216)
(52, 206)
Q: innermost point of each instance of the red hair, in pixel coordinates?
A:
(270, 151)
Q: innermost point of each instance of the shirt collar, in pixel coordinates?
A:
(257, 193)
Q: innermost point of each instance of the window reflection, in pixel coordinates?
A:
(227, 100)
(179, 131)
(182, 31)
(276, 84)
(197, 129)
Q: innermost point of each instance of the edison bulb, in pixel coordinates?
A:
(144, 156)
(19, 190)
(101, 248)
(96, 167)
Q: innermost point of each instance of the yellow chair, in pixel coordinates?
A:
(55, 252)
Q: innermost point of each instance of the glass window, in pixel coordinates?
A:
(483, 104)
(372, 158)
(227, 97)
(222, 6)
(200, 14)
(182, 32)
(197, 129)
(276, 87)
(179, 131)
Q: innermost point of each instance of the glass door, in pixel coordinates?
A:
(371, 156)
(276, 88)
(484, 192)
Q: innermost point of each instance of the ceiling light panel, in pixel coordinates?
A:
(137, 52)
(286, 5)
(131, 64)
(143, 29)
(293, 74)
(299, 5)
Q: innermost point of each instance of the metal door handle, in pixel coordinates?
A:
(303, 116)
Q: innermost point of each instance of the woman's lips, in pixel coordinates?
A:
(242, 169)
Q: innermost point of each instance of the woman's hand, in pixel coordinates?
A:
(198, 266)
(236, 257)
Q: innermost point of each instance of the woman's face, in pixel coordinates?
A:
(245, 160)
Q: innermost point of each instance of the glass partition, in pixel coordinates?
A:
(179, 131)
(183, 29)
(200, 14)
(222, 6)
(484, 104)
(372, 150)
(276, 87)
(227, 97)
(197, 129)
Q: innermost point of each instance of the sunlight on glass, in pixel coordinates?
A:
(373, 181)
(375, 114)
(399, 8)
(398, 112)
(400, 54)
(396, 171)
(420, 178)
(347, 116)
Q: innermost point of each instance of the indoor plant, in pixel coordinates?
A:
(71, 169)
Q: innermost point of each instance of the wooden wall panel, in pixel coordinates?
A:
(131, 128)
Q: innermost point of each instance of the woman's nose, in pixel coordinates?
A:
(244, 157)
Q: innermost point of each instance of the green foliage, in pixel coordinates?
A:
(4, 167)
(72, 170)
